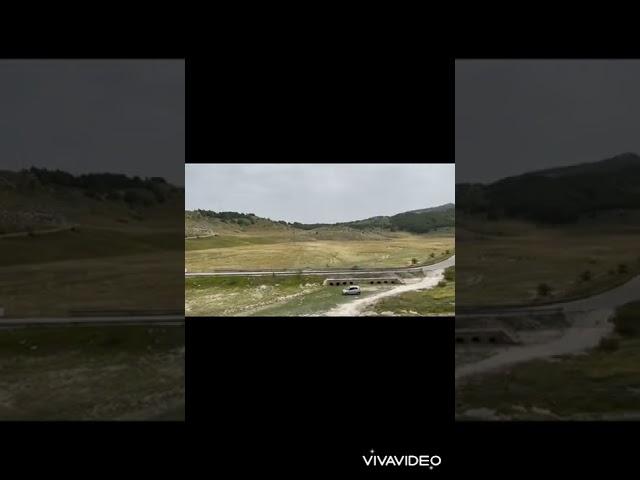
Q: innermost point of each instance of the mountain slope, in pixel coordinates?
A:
(559, 195)
(38, 199)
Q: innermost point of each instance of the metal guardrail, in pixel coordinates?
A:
(329, 271)
(175, 320)
(471, 312)
(123, 313)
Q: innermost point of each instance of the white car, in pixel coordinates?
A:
(354, 290)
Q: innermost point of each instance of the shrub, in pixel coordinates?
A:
(609, 344)
(544, 289)
(622, 268)
(450, 274)
(627, 320)
(585, 276)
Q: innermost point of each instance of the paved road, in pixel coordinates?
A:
(105, 320)
(608, 300)
(257, 273)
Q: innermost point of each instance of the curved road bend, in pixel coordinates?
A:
(590, 320)
(432, 276)
(436, 266)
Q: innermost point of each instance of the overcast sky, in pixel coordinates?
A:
(124, 116)
(324, 193)
(514, 116)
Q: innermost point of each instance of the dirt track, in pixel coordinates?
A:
(358, 306)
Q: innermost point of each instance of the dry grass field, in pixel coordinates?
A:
(245, 252)
(91, 269)
(504, 262)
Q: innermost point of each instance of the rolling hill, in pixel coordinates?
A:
(208, 223)
(40, 199)
(93, 241)
(559, 195)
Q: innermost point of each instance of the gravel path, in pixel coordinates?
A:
(358, 306)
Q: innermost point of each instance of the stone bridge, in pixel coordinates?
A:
(337, 282)
(486, 335)
(500, 325)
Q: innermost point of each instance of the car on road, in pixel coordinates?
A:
(353, 290)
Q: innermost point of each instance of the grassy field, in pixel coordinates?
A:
(266, 246)
(604, 383)
(84, 243)
(135, 282)
(436, 301)
(262, 296)
(113, 254)
(91, 268)
(280, 250)
(505, 262)
(92, 373)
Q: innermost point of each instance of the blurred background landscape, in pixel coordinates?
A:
(548, 240)
(91, 228)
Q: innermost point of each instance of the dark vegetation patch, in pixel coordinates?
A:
(627, 320)
(134, 191)
(557, 196)
(205, 283)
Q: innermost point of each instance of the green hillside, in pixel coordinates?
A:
(200, 223)
(560, 195)
(37, 199)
